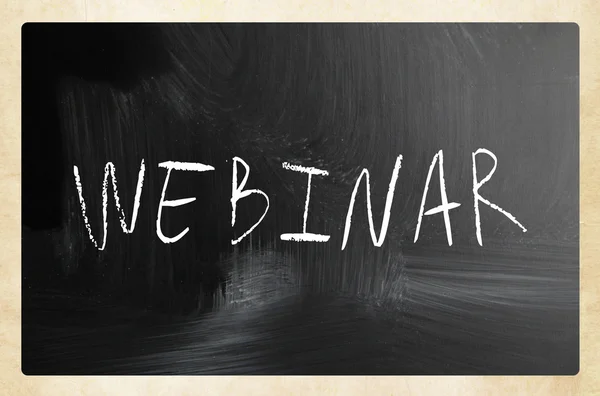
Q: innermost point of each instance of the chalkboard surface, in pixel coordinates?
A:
(300, 199)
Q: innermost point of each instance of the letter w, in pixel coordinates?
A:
(109, 170)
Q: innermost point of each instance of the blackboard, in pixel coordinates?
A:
(440, 234)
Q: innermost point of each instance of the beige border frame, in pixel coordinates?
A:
(16, 12)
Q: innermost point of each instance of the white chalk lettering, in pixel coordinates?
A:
(237, 193)
(305, 236)
(477, 197)
(171, 166)
(109, 170)
(388, 206)
(445, 207)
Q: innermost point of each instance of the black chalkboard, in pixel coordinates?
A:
(300, 199)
